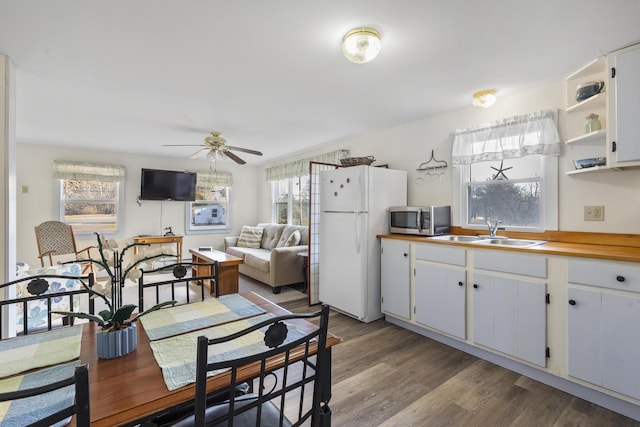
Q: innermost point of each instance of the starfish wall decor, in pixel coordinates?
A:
(500, 171)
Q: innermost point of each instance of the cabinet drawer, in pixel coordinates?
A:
(614, 275)
(528, 265)
(441, 253)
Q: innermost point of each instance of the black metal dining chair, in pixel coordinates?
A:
(37, 297)
(292, 387)
(184, 274)
(79, 408)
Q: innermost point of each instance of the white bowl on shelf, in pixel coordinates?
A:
(590, 162)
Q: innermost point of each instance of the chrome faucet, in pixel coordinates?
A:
(493, 226)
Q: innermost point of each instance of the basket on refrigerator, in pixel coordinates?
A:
(357, 161)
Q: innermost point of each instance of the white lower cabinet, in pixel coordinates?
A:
(603, 325)
(441, 298)
(395, 277)
(425, 286)
(509, 315)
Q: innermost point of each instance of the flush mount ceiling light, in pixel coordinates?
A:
(484, 98)
(361, 45)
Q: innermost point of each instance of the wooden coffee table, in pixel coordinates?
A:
(227, 269)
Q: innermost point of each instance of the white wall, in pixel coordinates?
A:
(405, 147)
(35, 170)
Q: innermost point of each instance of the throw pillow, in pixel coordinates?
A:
(294, 239)
(250, 237)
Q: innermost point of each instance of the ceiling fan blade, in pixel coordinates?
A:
(244, 150)
(183, 145)
(233, 157)
(200, 153)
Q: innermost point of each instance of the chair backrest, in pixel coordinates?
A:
(294, 373)
(80, 408)
(55, 238)
(172, 288)
(35, 297)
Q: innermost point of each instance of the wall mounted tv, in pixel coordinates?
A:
(158, 184)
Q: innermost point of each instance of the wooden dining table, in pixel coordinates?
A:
(130, 389)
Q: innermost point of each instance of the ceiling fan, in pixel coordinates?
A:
(215, 144)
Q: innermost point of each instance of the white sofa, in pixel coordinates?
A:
(273, 262)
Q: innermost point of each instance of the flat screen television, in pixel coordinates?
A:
(158, 184)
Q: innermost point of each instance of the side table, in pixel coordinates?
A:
(227, 270)
(158, 240)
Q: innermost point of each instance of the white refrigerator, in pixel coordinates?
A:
(354, 208)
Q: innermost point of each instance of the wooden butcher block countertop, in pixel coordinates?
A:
(618, 247)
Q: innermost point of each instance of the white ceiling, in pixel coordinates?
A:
(130, 76)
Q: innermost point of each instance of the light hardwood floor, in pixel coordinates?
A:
(384, 375)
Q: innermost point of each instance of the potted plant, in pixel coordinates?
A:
(118, 335)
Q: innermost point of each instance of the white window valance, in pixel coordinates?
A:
(509, 138)
(301, 167)
(84, 171)
(208, 178)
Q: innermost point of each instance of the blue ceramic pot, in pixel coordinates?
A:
(114, 344)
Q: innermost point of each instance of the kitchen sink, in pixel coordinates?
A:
(456, 238)
(516, 243)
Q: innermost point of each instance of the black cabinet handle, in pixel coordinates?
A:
(475, 286)
(460, 284)
(406, 255)
(620, 278)
(572, 302)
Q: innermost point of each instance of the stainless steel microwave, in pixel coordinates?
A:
(423, 220)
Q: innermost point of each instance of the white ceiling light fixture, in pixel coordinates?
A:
(361, 45)
(484, 98)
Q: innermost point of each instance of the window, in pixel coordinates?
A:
(290, 187)
(291, 200)
(90, 196)
(509, 191)
(210, 212)
(90, 206)
(508, 172)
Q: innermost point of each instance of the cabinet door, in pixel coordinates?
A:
(585, 335)
(532, 322)
(483, 310)
(626, 103)
(509, 315)
(621, 343)
(441, 298)
(395, 278)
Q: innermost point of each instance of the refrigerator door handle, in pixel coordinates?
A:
(357, 228)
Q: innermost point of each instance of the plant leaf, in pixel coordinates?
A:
(106, 314)
(123, 313)
(87, 316)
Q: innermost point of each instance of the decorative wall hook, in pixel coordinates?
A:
(432, 164)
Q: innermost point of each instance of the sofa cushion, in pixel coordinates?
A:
(250, 237)
(294, 239)
(260, 260)
(271, 235)
(288, 230)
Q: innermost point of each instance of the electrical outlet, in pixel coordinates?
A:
(594, 213)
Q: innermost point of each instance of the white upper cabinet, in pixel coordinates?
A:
(616, 105)
(624, 106)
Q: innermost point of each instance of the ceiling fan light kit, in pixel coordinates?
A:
(361, 45)
(215, 147)
(484, 98)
